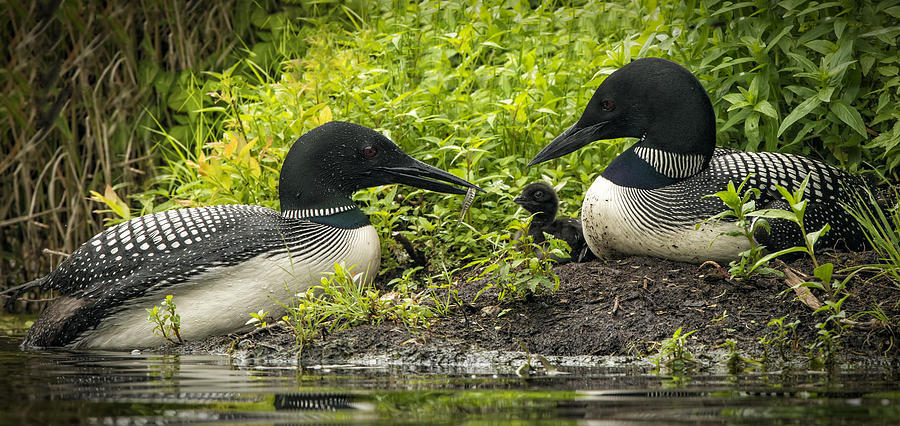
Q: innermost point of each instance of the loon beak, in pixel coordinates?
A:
(573, 138)
(421, 175)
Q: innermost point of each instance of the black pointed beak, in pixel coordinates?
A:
(570, 140)
(421, 175)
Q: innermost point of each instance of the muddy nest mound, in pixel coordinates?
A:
(623, 307)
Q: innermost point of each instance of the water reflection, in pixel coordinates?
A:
(122, 388)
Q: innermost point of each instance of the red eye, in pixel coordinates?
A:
(607, 105)
(370, 151)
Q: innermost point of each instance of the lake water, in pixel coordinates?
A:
(124, 388)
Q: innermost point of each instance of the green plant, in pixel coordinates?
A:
(261, 318)
(674, 351)
(520, 268)
(798, 209)
(344, 300)
(882, 229)
(166, 322)
(783, 336)
(740, 203)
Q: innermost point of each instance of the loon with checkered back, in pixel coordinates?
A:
(650, 198)
(223, 262)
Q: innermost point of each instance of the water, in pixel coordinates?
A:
(123, 388)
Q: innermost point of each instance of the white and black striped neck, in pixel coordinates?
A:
(347, 216)
(670, 164)
(310, 213)
(652, 168)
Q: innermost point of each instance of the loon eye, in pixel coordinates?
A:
(607, 105)
(370, 151)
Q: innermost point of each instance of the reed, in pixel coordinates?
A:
(83, 83)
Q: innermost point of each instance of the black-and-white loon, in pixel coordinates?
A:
(649, 198)
(223, 262)
(540, 199)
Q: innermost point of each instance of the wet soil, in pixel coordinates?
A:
(607, 308)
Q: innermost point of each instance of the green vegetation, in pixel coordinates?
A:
(171, 105)
(673, 352)
(166, 322)
(740, 204)
(518, 268)
(344, 300)
(782, 336)
(882, 228)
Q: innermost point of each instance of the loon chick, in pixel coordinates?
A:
(223, 262)
(649, 199)
(540, 199)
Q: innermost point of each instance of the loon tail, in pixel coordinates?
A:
(13, 293)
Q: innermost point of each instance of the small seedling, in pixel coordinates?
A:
(783, 335)
(259, 318)
(166, 322)
(674, 351)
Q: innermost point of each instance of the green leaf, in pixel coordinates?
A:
(775, 214)
(849, 115)
(824, 272)
(766, 108)
(765, 259)
(814, 236)
(801, 111)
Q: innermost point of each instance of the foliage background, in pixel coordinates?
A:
(173, 104)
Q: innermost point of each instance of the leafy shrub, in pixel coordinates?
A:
(478, 88)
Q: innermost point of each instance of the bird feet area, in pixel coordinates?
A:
(627, 307)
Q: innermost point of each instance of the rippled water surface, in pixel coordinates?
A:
(122, 388)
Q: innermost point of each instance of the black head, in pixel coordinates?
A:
(539, 197)
(653, 99)
(328, 164)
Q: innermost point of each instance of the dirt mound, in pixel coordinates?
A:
(607, 308)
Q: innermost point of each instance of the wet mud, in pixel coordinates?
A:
(610, 311)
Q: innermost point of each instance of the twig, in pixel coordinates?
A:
(615, 306)
(8, 222)
(721, 270)
(56, 252)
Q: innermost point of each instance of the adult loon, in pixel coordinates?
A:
(649, 199)
(223, 262)
(540, 199)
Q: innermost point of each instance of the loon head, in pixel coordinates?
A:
(655, 100)
(329, 163)
(540, 198)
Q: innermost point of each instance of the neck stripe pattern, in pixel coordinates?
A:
(670, 164)
(308, 213)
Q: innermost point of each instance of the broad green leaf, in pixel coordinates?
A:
(849, 115)
(766, 108)
(774, 214)
(824, 271)
(801, 111)
(763, 260)
(813, 237)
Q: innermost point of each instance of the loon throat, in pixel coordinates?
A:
(670, 164)
(309, 213)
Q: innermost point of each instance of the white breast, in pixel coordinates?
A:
(613, 223)
(220, 300)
